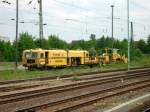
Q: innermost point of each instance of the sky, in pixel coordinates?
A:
(76, 19)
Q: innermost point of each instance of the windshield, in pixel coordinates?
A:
(103, 51)
(34, 55)
(27, 55)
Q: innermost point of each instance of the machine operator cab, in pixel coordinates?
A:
(109, 51)
(113, 55)
(33, 58)
(109, 55)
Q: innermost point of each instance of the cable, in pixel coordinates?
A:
(106, 20)
(77, 7)
(91, 22)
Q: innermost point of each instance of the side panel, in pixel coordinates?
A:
(24, 57)
(62, 61)
(78, 57)
(41, 59)
(57, 58)
(24, 61)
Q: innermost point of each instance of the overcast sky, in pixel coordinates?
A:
(77, 19)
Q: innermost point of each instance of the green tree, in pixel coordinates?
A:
(100, 43)
(25, 41)
(92, 52)
(55, 42)
(141, 44)
(6, 51)
(80, 44)
(44, 43)
(148, 45)
(2, 46)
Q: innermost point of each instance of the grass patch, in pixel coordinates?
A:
(114, 66)
(22, 74)
(7, 65)
(75, 78)
(142, 62)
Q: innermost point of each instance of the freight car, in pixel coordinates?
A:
(39, 58)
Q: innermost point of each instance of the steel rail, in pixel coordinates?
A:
(9, 88)
(82, 78)
(119, 90)
(69, 75)
(49, 91)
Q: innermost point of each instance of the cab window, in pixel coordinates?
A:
(42, 55)
(87, 55)
(27, 55)
(103, 51)
(109, 51)
(34, 55)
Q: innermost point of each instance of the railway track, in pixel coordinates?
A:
(5, 88)
(147, 110)
(11, 98)
(79, 101)
(68, 76)
(14, 88)
(52, 90)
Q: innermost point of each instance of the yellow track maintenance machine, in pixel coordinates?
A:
(111, 55)
(39, 58)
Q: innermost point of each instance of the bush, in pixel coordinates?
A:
(135, 54)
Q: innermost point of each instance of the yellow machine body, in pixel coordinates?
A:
(40, 58)
(33, 57)
(77, 57)
(111, 55)
(54, 58)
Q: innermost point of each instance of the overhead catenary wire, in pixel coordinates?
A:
(94, 22)
(104, 19)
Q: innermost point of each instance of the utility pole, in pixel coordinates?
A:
(40, 22)
(16, 51)
(112, 30)
(131, 40)
(132, 33)
(128, 34)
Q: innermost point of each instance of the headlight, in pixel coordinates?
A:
(42, 63)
